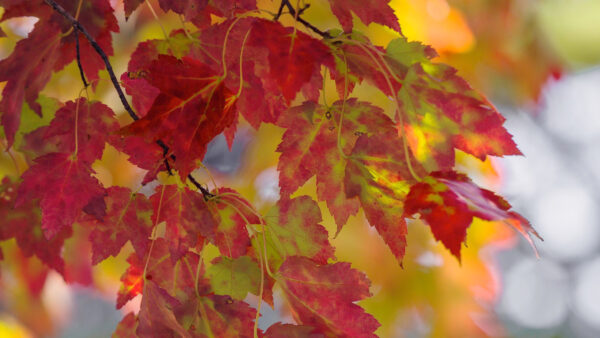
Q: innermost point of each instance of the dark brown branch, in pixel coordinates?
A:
(85, 83)
(100, 52)
(78, 27)
(204, 191)
(280, 11)
(306, 24)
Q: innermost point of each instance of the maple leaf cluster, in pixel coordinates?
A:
(194, 85)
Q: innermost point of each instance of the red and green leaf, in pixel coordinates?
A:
(233, 214)
(448, 201)
(378, 173)
(293, 229)
(442, 112)
(310, 147)
(323, 296)
(234, 277)
(127, 219)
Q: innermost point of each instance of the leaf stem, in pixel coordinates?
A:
(157, 20)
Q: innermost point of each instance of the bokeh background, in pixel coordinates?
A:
(537, 61)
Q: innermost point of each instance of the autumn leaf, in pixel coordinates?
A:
(310, 147)
(25, 77)
(135, 80)
(323, 296)
(229, 50)
(294, 59)
(156, 316)
(130, 6)
(377, 11)
(234, 277)
(279, 330)
(142, 153)
(126, 327)
(293, 229)
(463, 118)
(188, 218)
(378, 173)
(189, 111)
(264, 63)
(93, 121)
(132, 280)
(448, 201)
(226, 317)
(64, 186)
(233, 214)
(178, 299)
(24, 223)
(199, 13)
(127, 219)
(358, 60)
(178, 277)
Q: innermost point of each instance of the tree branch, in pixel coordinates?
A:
(306, 24)
(85, 83)
(100, 52)
(78, 27)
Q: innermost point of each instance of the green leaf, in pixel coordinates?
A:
(234, 277)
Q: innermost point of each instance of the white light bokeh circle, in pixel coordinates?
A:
(573, 106)
(536, 294)
(587, 293)
(566, 216)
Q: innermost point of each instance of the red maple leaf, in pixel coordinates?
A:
(253, 101)
(24, 224)
(199, 12)
(126, 327)
(188, 218)
(188, 113)
(464, 118)
(93, 121)
(294, 59)
(127, 219)
(233, 213)
(378, 11)
(279, 330)
(130, 6)
(132, 281)
(323, 296)
(310, 147)
(64, 185)
(448, 201)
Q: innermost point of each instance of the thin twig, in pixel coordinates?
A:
(306, 24)
(279, 11)
(100, 52)
(207, 194)
(85, 83)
